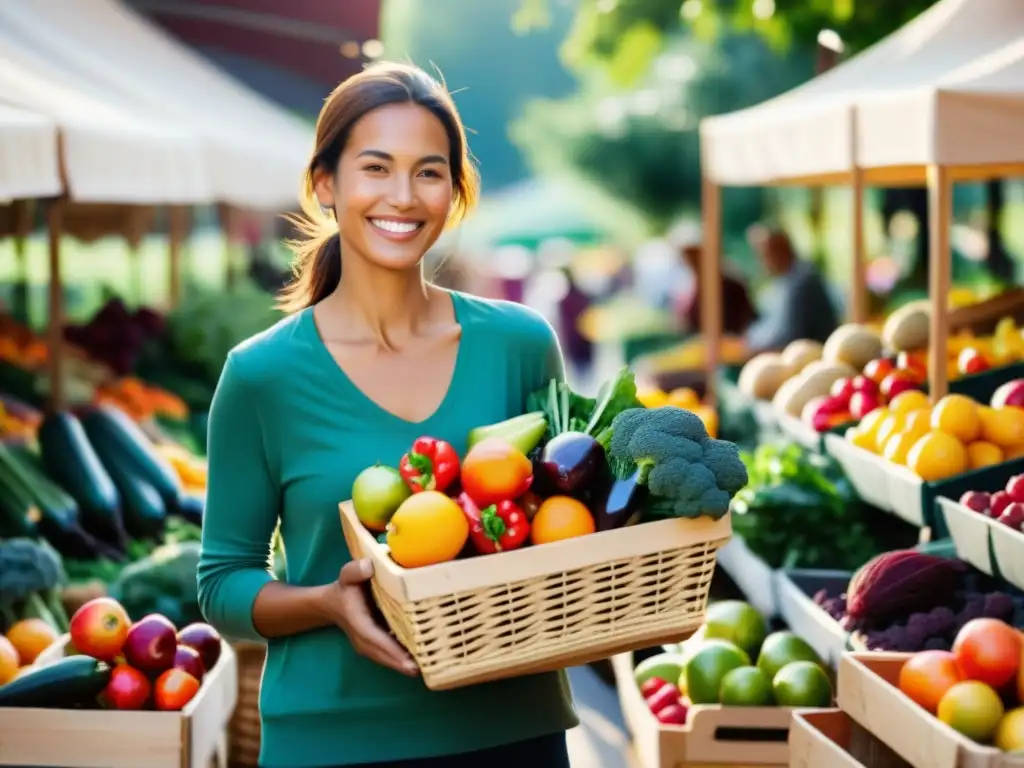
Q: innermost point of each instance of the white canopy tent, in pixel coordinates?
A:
(109, 155)
(807, 134)
(28, 155)
(254, 150)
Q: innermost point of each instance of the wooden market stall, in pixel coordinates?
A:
(811, 135)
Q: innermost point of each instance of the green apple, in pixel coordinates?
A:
(376, 493)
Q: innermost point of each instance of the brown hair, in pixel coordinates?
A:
(317, 264)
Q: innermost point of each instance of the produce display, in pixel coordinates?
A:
(683, 397)
(798, 510)
(570, 466)
(954, 435)
(1005, 506)
(859, 370)
(733, 661)
(976, 687)
(908, 601)
(119, 664)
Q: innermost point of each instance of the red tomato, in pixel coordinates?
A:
(989, 651)
(128, 688)
(174, 689)
(926, 676)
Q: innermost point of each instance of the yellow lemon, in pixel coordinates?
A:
(958, 416)
(892, 425)
(981, 454)
(1002, 426)
(937, 455)
(898, 446)
(909, 400)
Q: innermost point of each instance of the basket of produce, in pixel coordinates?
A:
(493, 565)
(988, 528)
(944, 709)
(724, 697)
(806, 608)
(132, 695)
(908, 600)
(830, 739)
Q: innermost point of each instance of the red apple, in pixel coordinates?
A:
(979, 501)
(673, 714)
(876, 370)
(188, 660)
(665, 696)
(651, 687)
(1010, 393)
(863, 403)
(864, 384)
(842, 390)
(128, 688)
(1000, 501)
(99, 628)
(151, 644)
(204, 639)
(1013, 515)
(971, 361)
(1015, 487)
(896, 382)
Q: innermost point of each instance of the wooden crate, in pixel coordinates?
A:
(548, 607)
(830, 739)
(705, 740)
(67, 738)
(868, 692)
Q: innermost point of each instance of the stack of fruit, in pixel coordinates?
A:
(714, 667)
(685, 398)
(569, 468)
(977, 688)
(955, 435)
(118, 664)
(909, 601)
(1005, 506)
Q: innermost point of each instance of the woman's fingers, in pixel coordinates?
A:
(356, 572)
(374, 643)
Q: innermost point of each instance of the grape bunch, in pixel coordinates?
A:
(930, 630)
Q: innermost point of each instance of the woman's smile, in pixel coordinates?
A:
(395, 228)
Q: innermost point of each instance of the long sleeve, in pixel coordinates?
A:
(242, 504)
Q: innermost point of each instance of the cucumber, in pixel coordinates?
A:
(70, 459)
(116, 438)
(143, 509)
(75, 681)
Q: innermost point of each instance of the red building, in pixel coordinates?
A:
(295, 52)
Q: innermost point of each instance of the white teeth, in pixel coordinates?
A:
(398, 227)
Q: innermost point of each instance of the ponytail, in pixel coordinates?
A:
(317, 264)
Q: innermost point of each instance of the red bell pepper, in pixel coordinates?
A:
(498, 528)
(431, 465)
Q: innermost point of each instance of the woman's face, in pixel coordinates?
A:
(393, 188)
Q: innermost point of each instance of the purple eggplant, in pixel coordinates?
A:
(571, 461)
(621, 506)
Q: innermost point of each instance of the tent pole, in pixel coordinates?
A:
(858, 308)
(55, 329)
(177, 231)
(711, 281)
(940, 267)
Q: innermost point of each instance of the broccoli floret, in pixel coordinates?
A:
(690, 473)
(31, 574)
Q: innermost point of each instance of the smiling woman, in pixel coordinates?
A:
(371, 358)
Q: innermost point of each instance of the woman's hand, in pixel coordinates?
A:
(349, 608)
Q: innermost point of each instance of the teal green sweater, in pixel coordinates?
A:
(288, 433)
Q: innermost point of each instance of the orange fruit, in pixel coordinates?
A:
(30, 637)
(958, 416)
(709, 416)
(898, 446)
(981, 454)
(926, 676)
(428, 528)
(561, 517)
(1002, 426)
(937, 455)
(9, 660)
(908, 401)
(683, 397)
(1013, 453)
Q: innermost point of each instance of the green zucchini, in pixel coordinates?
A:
(70, 459)
(19, 515)
(116, 438)
(74, 681)
(143, 509)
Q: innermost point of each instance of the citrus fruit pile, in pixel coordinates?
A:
(977, 688)
(951, 437)
(733, 662)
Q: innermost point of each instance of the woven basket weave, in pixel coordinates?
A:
(244, 729)
(548, 607)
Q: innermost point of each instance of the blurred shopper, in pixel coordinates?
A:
(797, 305)
(370, 358)
(578, 349)
(738, 311)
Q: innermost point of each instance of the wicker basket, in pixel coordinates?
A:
(543, 608)
(244, 729)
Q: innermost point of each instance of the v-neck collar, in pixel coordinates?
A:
(375, 409)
